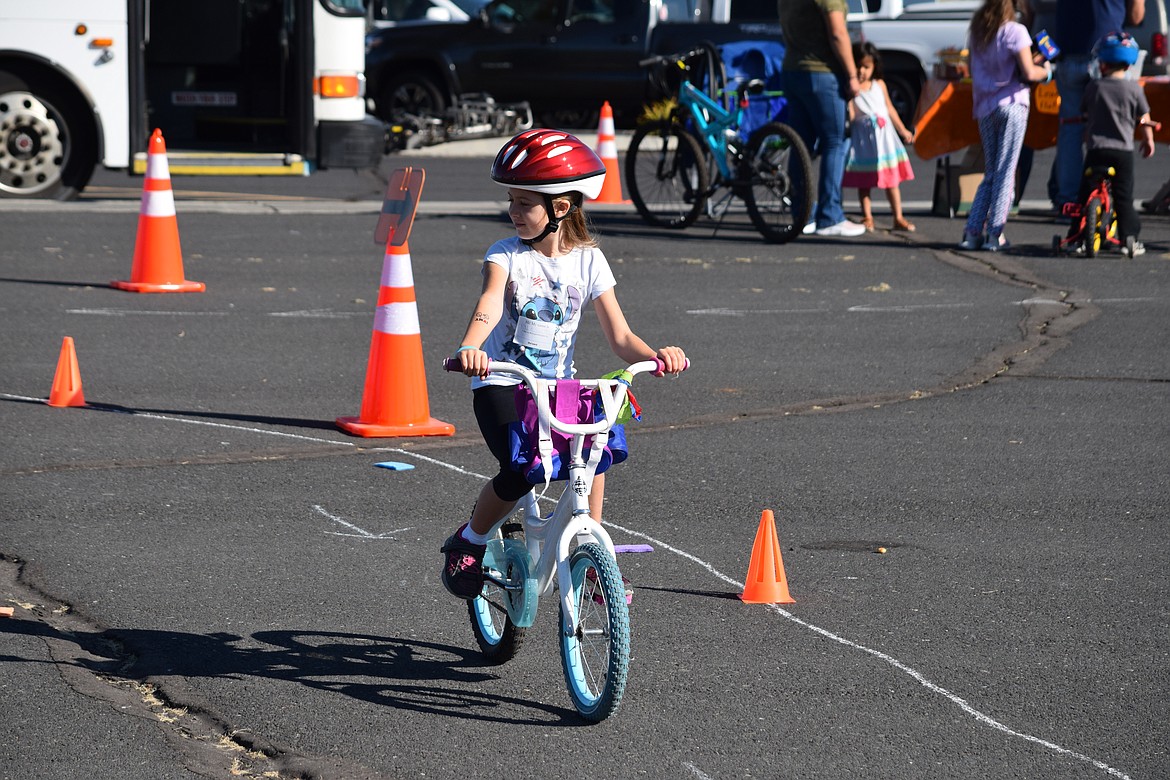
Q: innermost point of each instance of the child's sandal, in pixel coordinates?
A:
(901, 223)
(868, 224)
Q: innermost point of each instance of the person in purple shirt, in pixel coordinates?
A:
(1002, 69)
(1079, 25)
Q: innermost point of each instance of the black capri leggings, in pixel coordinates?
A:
(495, 408)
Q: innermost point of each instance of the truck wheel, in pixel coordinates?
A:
(904, 91)
(411, 93)
(48, 146)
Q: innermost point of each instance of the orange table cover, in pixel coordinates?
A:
(945, 124)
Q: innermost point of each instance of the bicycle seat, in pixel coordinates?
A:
(754, 87)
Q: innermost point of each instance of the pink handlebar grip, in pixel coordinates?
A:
(662, 366)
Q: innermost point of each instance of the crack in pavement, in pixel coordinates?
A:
(95, 664)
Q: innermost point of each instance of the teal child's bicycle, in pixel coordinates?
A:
(678, 161)
(567, 550)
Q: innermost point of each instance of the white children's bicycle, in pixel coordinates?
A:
(566, 548)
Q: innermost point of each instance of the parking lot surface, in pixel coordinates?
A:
(210, 579)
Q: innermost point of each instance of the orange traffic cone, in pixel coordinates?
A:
(395, 402)
(67, 381)
(766, 583)
(611, 189)
(158, 260)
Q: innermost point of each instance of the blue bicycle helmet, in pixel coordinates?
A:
(1117, 48)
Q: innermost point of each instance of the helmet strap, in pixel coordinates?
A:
(554, 221)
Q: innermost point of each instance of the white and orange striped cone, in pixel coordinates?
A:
(158, 259)
(394, 402)
(611, 189)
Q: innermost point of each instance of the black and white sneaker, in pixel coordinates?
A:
(463, 565)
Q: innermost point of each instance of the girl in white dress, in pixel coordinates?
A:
(877, 157)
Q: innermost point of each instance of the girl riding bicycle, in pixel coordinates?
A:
(534, 287)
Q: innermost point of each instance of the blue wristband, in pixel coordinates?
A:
(463, 349)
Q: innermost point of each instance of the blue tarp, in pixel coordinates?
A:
(747, 60)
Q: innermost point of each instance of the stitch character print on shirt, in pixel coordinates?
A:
(539, 312)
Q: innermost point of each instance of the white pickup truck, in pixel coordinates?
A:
(909, 35)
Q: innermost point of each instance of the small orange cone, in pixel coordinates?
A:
(394, 402)
(611, 189)
(766, 583)
(67, 381)
(158, 260)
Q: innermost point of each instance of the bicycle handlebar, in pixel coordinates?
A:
(654, 366)
(668, 58)
(616, 394)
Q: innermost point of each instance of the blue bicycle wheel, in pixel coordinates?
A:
(496, 634)
(596, 658)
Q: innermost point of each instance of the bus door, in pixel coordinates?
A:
(229, 84)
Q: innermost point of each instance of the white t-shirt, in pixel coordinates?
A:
(543, 299)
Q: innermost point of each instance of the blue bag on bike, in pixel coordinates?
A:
(747, 60)
(542, 462)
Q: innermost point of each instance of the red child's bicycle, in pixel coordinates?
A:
(1094, 222)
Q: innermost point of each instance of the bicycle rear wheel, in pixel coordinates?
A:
(596, 658)
(495, 633)
(666, 174)
(776, 174)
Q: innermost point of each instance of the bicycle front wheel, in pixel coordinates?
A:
(777, 174)
(596, 657)
(1093, 226)
(666, 174)
(495, 633)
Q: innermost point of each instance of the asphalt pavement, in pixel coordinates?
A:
(209, 579)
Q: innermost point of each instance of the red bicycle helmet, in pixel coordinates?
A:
(550, 162)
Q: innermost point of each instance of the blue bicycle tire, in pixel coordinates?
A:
(495, 633)
(596, 659)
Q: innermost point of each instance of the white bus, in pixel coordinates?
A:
(236, 86)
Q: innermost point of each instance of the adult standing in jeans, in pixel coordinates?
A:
(1079, 25)
(819, 78)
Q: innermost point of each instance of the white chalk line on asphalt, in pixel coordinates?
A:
(359, 532)
(917, 676)
(921, 679)
(913, 673)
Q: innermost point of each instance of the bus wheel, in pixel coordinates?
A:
(48, 149)
(411, 93)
